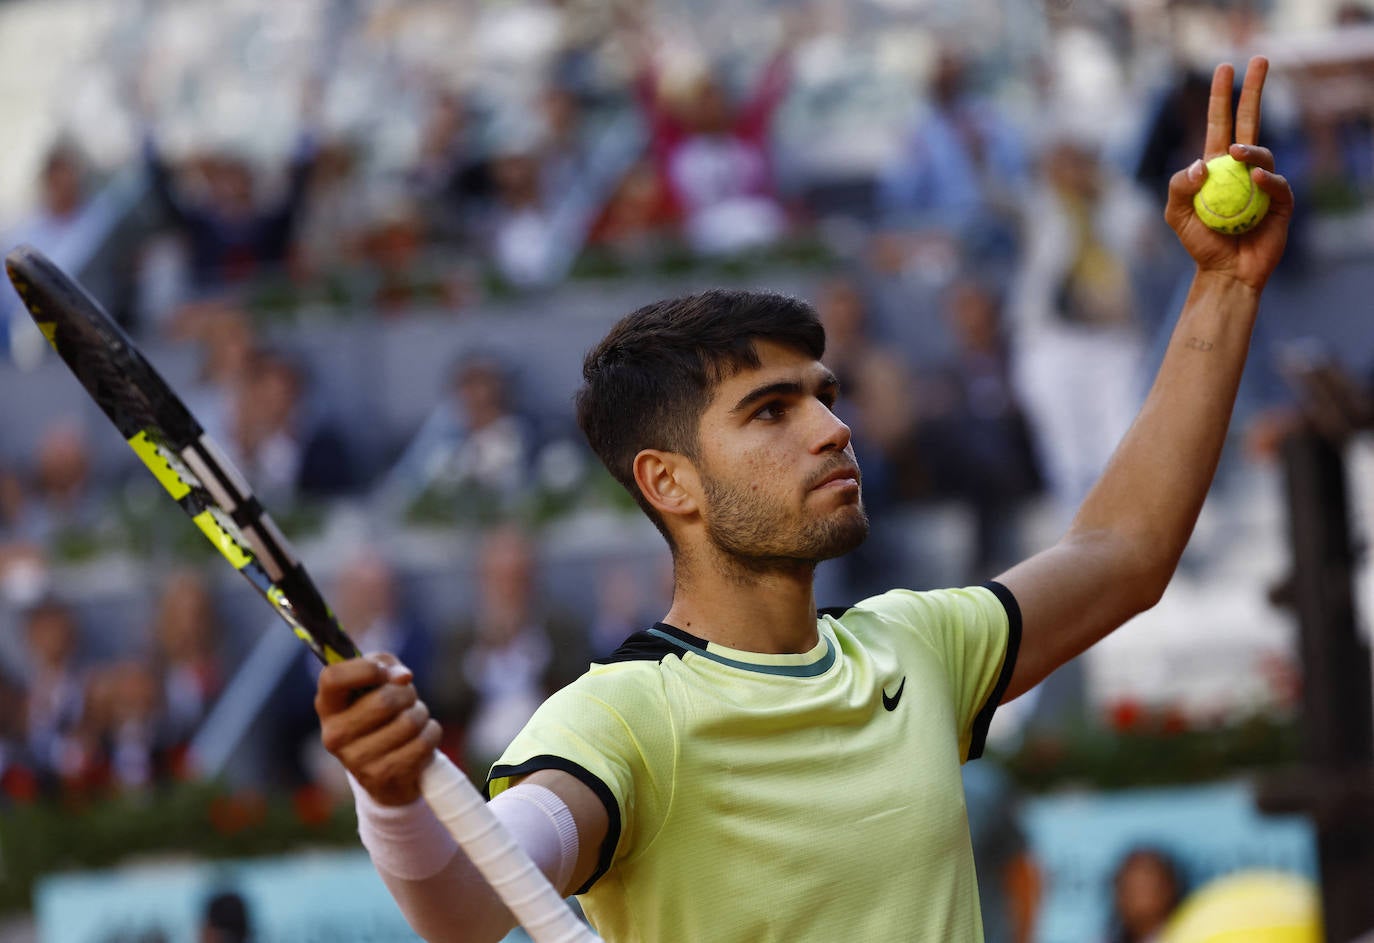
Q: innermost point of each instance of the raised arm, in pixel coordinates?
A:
(163, 188)
(372, 720)
(1126, 540)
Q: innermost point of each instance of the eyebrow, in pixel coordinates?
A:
(827, 383)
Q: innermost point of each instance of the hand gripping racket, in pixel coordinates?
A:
(196, 473)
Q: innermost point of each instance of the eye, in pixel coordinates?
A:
(770, 411)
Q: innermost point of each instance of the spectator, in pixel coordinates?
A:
(123, 726)
(473, 451)
(960, 170)
(334, 213)
(625, 603)
(566, 161)
(517, 649)
(372, 606)
(56, 697)
(224, 336)
(64, 506)
(396, 273)
(226, 919)
(187, 634)
(232, 234)
(1146, 889)
(70, 226)
(714, 154)
(450, 178)
(524, 242)
(288, 450)
(1076, 341)
(972, 438)
(637, 223)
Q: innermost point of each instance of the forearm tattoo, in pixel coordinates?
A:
(1197, 343)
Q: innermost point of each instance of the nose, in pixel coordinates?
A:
(833, 435)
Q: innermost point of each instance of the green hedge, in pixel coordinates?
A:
(204, 820)
(1158, 752)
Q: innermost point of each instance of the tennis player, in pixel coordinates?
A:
(747, 770)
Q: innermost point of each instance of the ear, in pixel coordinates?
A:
(668, 482)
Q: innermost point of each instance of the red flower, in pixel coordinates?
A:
(313, 804)
(1125, 715)
(20, 784)
(230, 815)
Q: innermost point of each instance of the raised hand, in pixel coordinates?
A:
(1249, 258)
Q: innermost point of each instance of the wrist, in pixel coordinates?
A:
(1225, 289)
(1224, 283)
(404, 840)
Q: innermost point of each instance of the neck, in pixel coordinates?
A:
(766, 609)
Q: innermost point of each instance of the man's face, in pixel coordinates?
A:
(62, 187)
(780, 482)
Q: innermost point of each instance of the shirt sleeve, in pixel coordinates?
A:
(974, 633)
(609, 730)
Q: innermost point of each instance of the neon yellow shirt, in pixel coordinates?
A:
(812, 797)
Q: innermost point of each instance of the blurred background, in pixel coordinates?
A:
(369, 241)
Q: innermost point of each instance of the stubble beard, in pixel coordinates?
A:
(757, 537)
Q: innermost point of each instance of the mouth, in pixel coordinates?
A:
(846, 476)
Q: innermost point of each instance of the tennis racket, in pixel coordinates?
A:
(195, 472)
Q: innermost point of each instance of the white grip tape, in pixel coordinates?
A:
(504, 865)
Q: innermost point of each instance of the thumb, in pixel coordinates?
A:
(1183, 186)
(1190, 179)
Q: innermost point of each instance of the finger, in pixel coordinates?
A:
(404, 727)
(1276, 185)
(401, 764)
(396, 671)
(340, 681)
(1253, 155)
(1178, 210)
(1185, 184)
(380, 705)
(1219, 111)
(1248, 111)
(370, 712)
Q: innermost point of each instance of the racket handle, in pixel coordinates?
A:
(516, 879)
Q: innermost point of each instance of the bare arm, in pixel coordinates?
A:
(385, 738)
(1126, 540)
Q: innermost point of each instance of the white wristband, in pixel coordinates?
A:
(406, 840)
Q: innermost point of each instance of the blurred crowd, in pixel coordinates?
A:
(996, 281)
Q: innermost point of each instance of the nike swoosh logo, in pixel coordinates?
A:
(891, 702)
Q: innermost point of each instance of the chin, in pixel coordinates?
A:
(844, 532)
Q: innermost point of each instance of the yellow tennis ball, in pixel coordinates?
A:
(1249, 907)
(1229, 202)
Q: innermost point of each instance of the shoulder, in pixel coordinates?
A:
(931, 613)
(912, 603)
